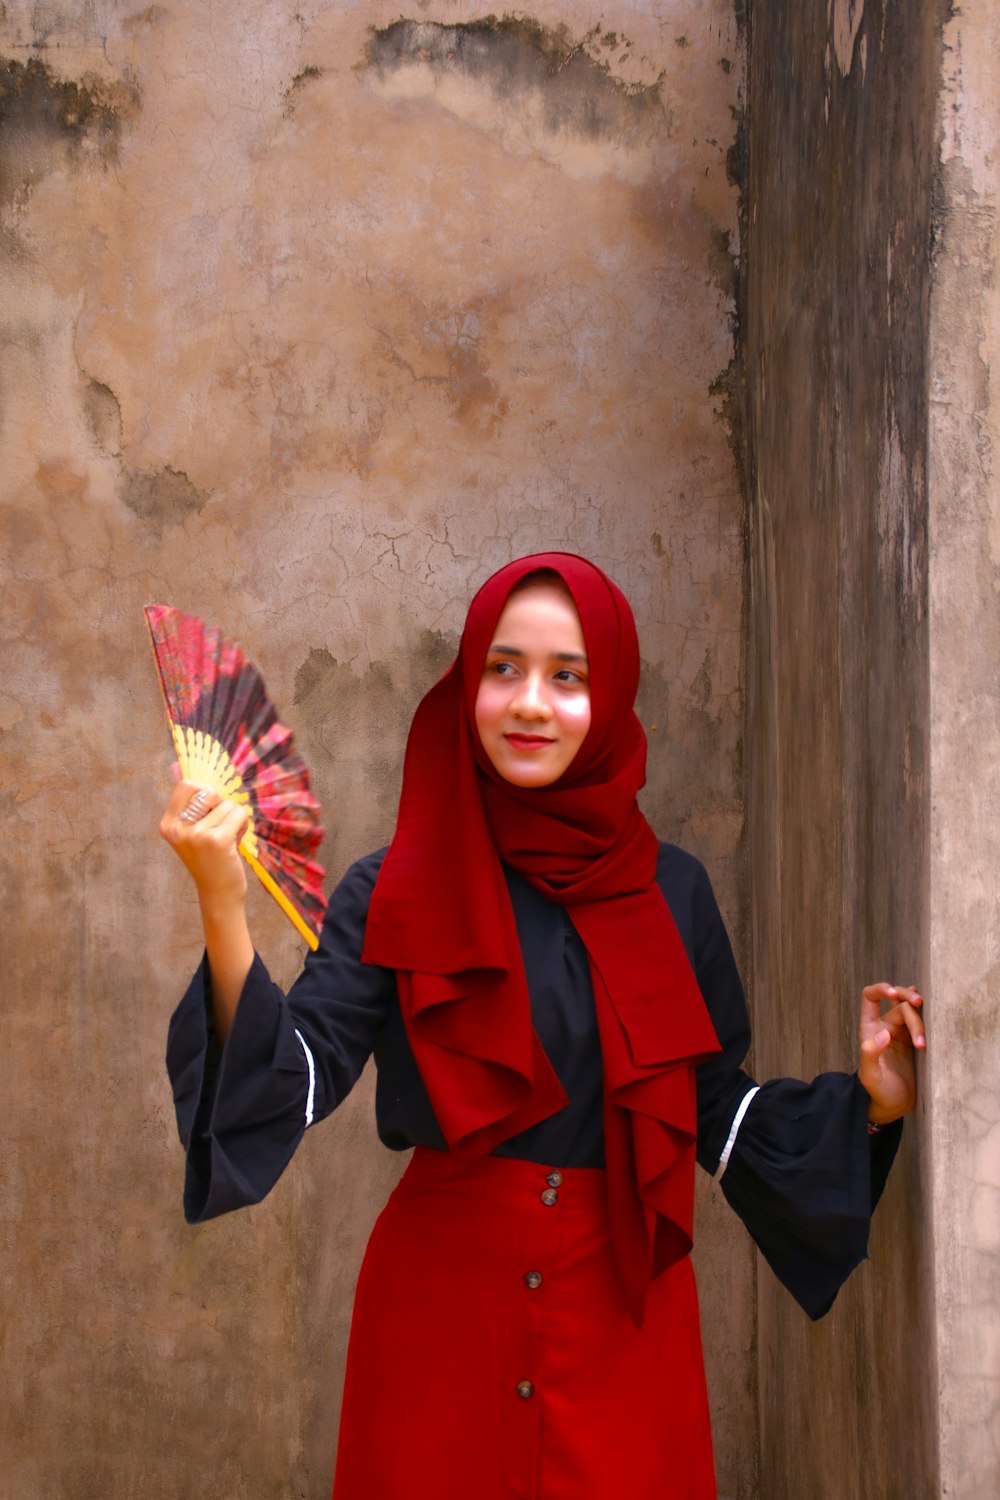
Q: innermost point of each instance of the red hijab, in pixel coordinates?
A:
(441, 916)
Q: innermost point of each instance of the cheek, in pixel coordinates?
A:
(575, 714)
(486, 708)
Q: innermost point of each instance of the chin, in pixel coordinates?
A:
(528, 776)
(527, 780)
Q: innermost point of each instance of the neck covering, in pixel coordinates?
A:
(441, 916)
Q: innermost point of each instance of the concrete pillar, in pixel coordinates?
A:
(872, 330)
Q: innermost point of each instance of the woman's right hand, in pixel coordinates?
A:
(204, 831)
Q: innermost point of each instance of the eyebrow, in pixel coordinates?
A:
(556, 655)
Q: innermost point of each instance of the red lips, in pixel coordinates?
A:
(527, 741)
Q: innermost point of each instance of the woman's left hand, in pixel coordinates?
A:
(887, 1046)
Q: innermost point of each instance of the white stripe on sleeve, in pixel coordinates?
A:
(311, 1096)
(727, 1149)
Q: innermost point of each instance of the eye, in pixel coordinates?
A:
(570, 678)
(501, 668)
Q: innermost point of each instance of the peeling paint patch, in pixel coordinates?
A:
(517, 58)
(103, 414)
(163, 497)
(723, 262)
(847, 18)
(47, 122)
(298, 82)
(728, 389)
(901, 544)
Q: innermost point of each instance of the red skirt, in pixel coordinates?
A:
(492, 1358)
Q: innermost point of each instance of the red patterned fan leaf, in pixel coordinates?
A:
(227, 734)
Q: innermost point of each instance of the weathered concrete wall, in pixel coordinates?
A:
(307, 327)
(842, 106)
(964, 531)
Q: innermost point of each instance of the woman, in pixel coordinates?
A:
(558, 1025)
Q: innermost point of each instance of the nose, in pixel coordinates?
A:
(532, 702)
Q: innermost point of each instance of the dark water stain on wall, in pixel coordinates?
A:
(353, 728)
(515, 56)
(151, 16)
(475, 396)
(47, 122)
(163, 497)
(729, 386)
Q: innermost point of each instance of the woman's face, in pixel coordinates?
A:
(533, 703)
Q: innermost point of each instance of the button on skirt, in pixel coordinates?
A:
(492, 1358)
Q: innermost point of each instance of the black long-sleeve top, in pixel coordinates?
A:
(796, 1160)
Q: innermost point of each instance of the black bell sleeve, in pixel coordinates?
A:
(805, 1176)
(288, 1061)
(794, 1160)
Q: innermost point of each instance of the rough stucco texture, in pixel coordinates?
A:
(843, 117)
(312, 316)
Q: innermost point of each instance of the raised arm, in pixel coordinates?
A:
(204, 831)
(289, 1060)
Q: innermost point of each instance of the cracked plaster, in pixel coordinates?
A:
(346, 347)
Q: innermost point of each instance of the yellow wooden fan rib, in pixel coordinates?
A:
(204, 761)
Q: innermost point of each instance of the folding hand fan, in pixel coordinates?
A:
(227, 735)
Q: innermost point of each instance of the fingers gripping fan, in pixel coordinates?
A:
(227, 735)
